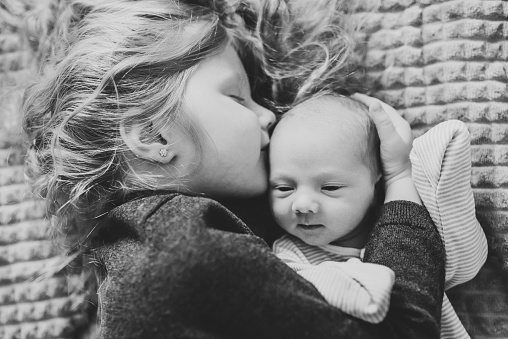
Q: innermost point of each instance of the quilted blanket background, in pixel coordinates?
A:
(433, 60)
(437, 60)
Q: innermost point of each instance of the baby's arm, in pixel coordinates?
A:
(359, 289)
(441, 160)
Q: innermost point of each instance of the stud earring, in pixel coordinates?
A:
(163, 152)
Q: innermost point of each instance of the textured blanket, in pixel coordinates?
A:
(435, 61)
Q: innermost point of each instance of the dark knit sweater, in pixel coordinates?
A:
(187, 267)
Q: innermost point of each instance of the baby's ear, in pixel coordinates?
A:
(147, 144)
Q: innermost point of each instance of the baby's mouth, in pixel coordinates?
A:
(310, 226)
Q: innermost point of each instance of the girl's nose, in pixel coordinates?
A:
(303, 203)
(266, 117)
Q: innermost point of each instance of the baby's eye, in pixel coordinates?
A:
(282, 188)
(331, 188)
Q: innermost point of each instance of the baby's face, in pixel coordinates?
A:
(320, 189)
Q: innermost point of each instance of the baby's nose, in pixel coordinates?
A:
(305, 204)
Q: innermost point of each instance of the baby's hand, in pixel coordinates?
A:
(396, 142)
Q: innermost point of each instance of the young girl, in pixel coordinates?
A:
(150, 109)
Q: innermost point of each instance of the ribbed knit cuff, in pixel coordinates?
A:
(401, 212)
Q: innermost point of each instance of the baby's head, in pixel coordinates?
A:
(324, 167)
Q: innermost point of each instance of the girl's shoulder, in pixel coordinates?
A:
(158, 214)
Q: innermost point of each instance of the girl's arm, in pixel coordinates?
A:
(406, 240)
(403, 223)
(190, 273)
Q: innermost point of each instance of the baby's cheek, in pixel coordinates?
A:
(280, 212)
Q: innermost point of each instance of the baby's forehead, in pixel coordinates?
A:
(323, 105)
(330, 111)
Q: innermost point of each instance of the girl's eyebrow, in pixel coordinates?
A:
(233, 76)
(233, 80)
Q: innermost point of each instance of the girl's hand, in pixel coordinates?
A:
(395, 136)
(396, 143)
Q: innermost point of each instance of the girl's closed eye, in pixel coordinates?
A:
(237, 98)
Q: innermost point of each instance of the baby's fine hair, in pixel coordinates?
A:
(368, 140)
(115, 62)
(357, 131)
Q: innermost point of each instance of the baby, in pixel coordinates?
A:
(325, 190)
(325, 173)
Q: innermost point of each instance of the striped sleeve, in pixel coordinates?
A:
(441, 160)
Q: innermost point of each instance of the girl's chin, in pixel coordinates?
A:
(253, 190)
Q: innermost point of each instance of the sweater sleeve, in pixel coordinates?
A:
(406, 240)
(192, 278)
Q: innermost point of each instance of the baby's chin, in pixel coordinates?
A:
(315, 240)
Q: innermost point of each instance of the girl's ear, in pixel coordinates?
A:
(153, 149)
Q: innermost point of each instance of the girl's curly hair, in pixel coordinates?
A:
(309, 47)
(106, 63)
